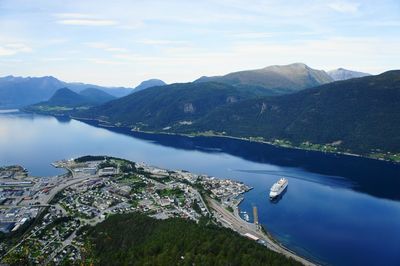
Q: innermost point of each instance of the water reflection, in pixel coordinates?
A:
(63, 119)
(278, 198)
(361, 174)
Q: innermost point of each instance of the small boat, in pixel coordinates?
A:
(246, 217)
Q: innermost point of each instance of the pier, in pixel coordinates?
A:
(236, 223)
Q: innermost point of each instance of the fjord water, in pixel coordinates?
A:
(337, 210)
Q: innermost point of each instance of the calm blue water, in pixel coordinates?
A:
(339, 210)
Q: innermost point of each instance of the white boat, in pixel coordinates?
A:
(278, 188)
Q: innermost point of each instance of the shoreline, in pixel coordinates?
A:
(263, 230)
(271, 243)
(107, 125)
(237, 224)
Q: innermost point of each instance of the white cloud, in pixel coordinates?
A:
(97, 45)
(14, 48)
(54, 59)
(10, 60)
(5, 51)
(104, 61)
(344, 7)
(105, 47)
(72, 15)
(88, 22)
(325, 53)
(83, 19)
(116, 49)
(362, 54)
(132, 25)
(252, 35)
(181, 40)
(56, 41)
(382, 23)
(161, 42)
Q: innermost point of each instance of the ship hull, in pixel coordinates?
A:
(275, 194)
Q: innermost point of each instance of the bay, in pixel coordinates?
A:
(337, 210)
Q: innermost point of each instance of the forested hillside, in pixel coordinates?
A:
(169, 105)
(136, 239)
(359, 115)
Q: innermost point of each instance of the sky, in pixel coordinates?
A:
(121, 43)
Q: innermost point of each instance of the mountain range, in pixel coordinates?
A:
(276, 79)
(293, 105)
(359, 115)
(162, 106)
(18, 91)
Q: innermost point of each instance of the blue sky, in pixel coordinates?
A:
(120, 43)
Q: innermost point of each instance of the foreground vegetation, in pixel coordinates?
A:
(140, 240)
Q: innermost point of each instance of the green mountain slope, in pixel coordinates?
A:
(65, 101)
(66, 97)
(139, 240)
(276, 79)
(169, 105)
(96, 96)
(358, 115)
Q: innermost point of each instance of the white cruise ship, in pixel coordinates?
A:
(278, 188)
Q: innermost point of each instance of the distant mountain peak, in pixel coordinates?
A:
(297, 64)
(279, 79)
(343, 74)
(17, 91)
(148, 84)
(290, 67)
(64, 89)
(68, 98)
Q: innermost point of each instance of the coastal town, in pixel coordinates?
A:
(46, 215)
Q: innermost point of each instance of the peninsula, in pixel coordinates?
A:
(60, 219)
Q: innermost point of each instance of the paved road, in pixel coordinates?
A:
(64, 244)
(200, 197)
(228, 219)
(44, 199)
(24, 238)
(59, 187)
